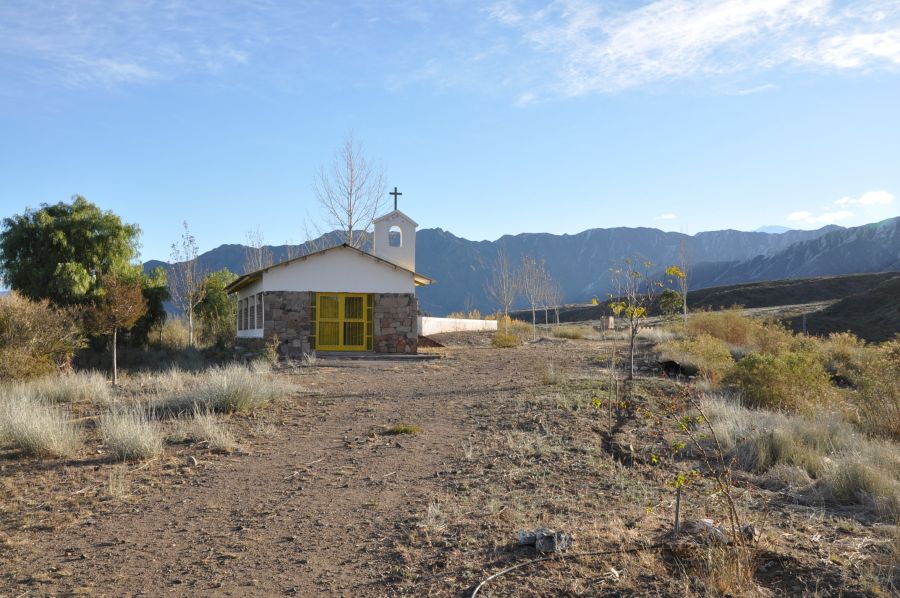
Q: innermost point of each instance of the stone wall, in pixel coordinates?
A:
(394, 318)
(288, 313)
(287, 316)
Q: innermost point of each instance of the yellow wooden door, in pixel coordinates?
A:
(343, 322)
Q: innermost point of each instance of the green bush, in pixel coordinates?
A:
(786, 381)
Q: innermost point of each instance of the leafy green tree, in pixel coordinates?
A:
(670, 303)
(217, 311)
(155, 288)
(60, 252)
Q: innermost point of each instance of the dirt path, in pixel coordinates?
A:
(312, 511)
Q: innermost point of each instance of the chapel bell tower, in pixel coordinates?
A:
(395, 238)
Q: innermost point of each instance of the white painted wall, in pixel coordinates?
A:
(429, 325)
(405, 254)
(340, 270)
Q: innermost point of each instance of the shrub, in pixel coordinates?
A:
(788, 380)
(844, 355)
(131, 434)
(36, 338)
(35, 427)
(878, 400)
(728, 325)
(572, 332)
(736, 329)
(506, 340)
(708, 354)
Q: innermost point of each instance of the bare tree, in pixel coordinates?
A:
(187, 283)
(351, 191)
(530, 284)
(258, 255)
(556, 297)
(504, 286)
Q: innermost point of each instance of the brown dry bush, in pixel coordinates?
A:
(736, 329)
(709, 355)
(35, 338)
(506, 340)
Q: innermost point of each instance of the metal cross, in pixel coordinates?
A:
(395, 193)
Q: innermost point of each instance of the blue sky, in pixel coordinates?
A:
(492, 117)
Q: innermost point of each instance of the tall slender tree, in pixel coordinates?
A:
(530, 281)
(186, 285)
(504, 285)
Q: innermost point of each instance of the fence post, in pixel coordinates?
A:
(677, 511)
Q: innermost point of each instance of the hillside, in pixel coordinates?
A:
(872, 314)
(579, 262)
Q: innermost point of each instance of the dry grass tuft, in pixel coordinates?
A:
(82, 387)
(848, 467)
(229, 389)
(36, 427)
(205, 428)
(573, 332)
(131, 434)
(398, 429)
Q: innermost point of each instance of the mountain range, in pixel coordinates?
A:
(581, 262)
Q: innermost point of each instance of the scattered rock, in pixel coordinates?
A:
(705, 530)
(546, 540)
(192, 461)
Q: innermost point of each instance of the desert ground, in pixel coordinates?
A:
(413, 478)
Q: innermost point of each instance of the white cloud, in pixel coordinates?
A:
(798, 216)
(666, 217)
(526, 99)
(838, 211)
(598, 50)
(872, 198)
(827, 217)
(98, 43)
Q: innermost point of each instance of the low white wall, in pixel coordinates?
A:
(437, 325)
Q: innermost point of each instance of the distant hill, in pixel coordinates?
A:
(869, 248)
(766, 294)
(775, 230)
(872, 314)
(581, 262)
